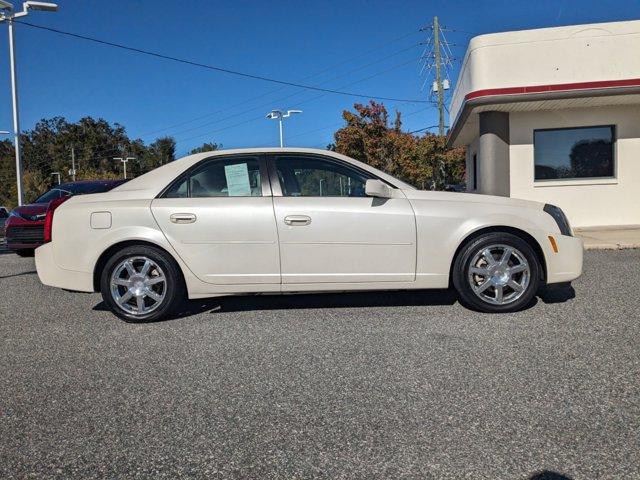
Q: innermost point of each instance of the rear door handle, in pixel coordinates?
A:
(297, 220)
(182, 218)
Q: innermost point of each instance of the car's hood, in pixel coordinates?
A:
(33, 211)
(471, 198)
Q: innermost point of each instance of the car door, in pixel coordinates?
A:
(218, 217)
(331, 232)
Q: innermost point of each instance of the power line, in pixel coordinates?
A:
(215, 68)
(280, 99)
(425, 128)
(313, 75)
(294, 105)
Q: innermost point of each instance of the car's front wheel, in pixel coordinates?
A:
(497, 272)
(141, 283)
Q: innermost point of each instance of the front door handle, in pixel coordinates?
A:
(297, 220)
(182, 218)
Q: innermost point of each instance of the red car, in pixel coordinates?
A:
(25, 225)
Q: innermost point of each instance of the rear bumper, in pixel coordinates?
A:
(566, 264)
(54, 276)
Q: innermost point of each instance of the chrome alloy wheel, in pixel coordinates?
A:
(138, 285)
(499, 274)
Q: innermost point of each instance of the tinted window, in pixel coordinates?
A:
(3, 213)
(574, 153)
(234, 177)
(318, 177)
(67, 189)
(52, 195)
(93, 187)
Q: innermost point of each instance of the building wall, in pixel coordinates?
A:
(544, 56)
(587, 203)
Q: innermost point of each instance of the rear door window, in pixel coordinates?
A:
(231, 177)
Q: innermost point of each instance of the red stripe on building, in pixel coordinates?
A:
(561, 87)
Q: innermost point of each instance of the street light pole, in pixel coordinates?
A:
(6, 14)
(16, 117)
(280, 116)
(124, 161)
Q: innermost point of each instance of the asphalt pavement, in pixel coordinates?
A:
(366, 385)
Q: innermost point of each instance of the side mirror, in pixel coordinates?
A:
(377, 188)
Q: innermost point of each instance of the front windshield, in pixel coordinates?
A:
(52, 195)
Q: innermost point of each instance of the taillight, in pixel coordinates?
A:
(48, 219)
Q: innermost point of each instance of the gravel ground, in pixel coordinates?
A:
(375, 385)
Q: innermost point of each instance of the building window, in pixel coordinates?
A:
(571, 153)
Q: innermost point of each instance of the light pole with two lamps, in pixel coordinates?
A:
(280, 115)
(7, 14)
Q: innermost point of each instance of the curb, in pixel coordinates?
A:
(610, 246)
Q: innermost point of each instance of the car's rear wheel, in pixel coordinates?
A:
(25, 252)
(142, 284)
(497, 272)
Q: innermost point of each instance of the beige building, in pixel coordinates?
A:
(553, 115)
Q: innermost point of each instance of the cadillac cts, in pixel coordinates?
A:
(297, 220)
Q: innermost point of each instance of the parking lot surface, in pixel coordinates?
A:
(366, 385)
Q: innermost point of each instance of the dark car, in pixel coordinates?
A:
(24, 229)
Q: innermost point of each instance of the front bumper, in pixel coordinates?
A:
(564, 265)
(24, 235)
(54, 276)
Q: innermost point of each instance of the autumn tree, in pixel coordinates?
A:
(423, 161)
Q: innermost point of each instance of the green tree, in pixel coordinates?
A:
(47, 148)
(206, 147)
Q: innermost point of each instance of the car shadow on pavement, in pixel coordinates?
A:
(30, 272)
(391, 298)
(557, 293)
(548, 475)
(244, 303)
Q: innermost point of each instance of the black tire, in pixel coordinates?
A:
(175, 292)
(467, 254)
(25, 252)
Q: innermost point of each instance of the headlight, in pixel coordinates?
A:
(560, 218)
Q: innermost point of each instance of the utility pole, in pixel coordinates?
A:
(439, 86)
(124, 161)
(73, 164)
(436, 59)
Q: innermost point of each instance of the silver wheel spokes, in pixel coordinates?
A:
(138, 285)
(499, 274)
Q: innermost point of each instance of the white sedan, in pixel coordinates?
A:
(298, 220)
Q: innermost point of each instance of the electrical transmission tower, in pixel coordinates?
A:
(437, 60)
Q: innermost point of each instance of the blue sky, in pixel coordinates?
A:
(363, 46)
